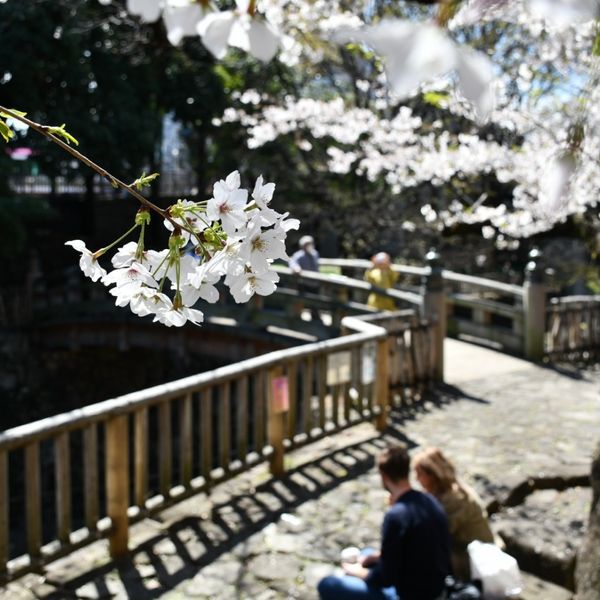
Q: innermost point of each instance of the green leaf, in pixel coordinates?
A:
(5, 131)
(13, 110)
(62, 133)
(145, 180)
(437, 99)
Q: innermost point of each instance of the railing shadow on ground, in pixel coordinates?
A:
(214, 532)
(427, 400)
(573, 371)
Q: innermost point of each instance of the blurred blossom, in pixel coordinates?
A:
(237, 28)
(488, 232)
(415, 53)
(556, 183)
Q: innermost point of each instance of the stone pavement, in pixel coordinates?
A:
(511, 427)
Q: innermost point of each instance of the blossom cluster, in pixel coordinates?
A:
(242, 27)
(229, 237)
(384, 139)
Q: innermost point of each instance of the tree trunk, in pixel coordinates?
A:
(588, 562)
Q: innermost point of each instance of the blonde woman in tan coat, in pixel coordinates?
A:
(467, 517)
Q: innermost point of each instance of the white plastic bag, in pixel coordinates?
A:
(498, 571)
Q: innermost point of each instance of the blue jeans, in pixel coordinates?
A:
(348, 587)
(352, 588)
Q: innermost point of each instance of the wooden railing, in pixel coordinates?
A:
(573, 327)
(478, 308)
(483, 309)
(179, 438)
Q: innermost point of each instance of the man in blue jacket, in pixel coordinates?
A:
(415, 547)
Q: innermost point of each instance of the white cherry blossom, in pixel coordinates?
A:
(248, 283)
(134, 274)
(228, 204)
(181, 18)
(262, 193)
(200, 285)
(147, 10)
(177, 317)
(237, 28)
(88, 263)
(415, 53)
(147, 301)
(260, 247)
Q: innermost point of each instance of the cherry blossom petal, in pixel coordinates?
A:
(181, 20)
(476, 73)
(148, 10)
(215, 29)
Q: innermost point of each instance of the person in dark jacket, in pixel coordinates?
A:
(306, 259)
(415, 545)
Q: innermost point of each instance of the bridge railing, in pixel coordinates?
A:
(88, 473)
(485, 309)
(573, 326)
(476, 307)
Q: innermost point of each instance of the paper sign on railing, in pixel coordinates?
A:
(339, 368)
(281, 396)
(369, 357)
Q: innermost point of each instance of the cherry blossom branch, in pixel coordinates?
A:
(114, 181)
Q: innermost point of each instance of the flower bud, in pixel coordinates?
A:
(142, 217)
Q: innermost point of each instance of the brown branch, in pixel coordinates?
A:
(114, 181)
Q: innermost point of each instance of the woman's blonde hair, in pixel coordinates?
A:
(433, 462)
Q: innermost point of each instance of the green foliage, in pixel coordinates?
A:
(437, 99)
(5, 131)
(145, 180)
(61, 132)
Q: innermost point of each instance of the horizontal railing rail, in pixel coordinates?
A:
(481, 283)
(361, 264)
(343, 283)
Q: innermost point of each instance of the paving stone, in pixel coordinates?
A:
(29, 587)
(275, 566)
(545, 531)
(314, 572)
(202, 586)
(535, 588)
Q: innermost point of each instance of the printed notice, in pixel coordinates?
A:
(369, 355)
(339, 368)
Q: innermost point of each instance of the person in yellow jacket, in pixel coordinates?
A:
(382, 276)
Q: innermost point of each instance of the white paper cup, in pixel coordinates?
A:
(350, 554)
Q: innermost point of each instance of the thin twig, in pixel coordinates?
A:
(114, 181)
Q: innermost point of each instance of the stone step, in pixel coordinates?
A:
(538, 589)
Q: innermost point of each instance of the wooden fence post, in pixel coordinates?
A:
(434, 309)
(277, 396)
(117, 483)
(534, 307)
(382, 384)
